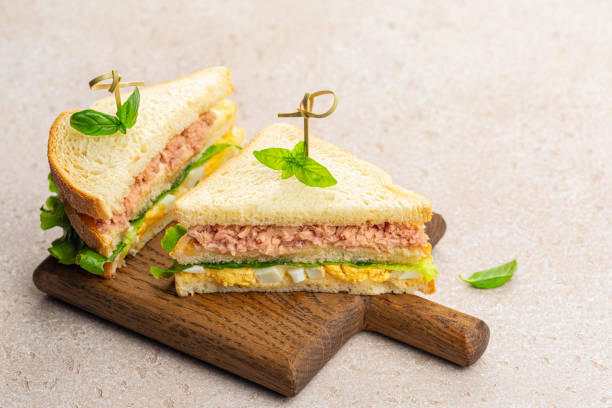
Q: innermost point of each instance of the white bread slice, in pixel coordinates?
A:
(186, 253)
(245, 192)
(157, 222)
(189, 284)
(105, 241)
(94, 173)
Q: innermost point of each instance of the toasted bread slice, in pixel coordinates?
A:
(94, 174)
(245, 192)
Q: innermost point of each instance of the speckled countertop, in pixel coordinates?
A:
(499, 112)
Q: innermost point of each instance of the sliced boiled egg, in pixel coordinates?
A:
(316, 272)
(194, 269)
(297, 274)
(272, 274)
(194, 176)
(167, 202)
(406, 275)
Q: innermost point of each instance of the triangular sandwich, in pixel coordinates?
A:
(115, 192)
(246, 229)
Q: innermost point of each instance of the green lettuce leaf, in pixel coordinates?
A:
(172, 236)
(158, 272)
(66, 248)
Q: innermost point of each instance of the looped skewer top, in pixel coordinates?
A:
(114, 86)
(305, 111)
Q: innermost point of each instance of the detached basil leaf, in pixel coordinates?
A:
(274, 158)
(94, 123)
(128, 112)
(313, 174)
(492, 278)
(172, 236)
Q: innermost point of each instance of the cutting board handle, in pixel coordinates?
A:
(429, 326)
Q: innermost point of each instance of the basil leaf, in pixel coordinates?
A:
(274, 157)
(91, 261)
(313, 174)
(492, 278)
(94, 123)
(298, 150)
(172, 236)
(128, 112)
(287, 172)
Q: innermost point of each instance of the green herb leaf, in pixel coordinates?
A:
(298, 150)
(94, 123)
(274, 158)
(128, 112)
(492, 278)
(313, 174)
(294, 163)
(287, 172)
(172, 236)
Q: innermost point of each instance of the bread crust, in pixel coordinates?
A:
(86, 228)
(81, 201)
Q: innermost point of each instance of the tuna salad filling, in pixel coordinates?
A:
(281, 240)
(178, 151)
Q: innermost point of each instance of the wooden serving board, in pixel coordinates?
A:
(278, 340)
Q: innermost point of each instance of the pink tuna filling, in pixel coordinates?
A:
(180, 149)
(275, 240)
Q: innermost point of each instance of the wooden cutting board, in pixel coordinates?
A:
(278, 340)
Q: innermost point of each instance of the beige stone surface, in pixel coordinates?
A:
(499, 112)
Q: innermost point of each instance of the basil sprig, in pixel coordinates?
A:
(94, 123)
(492, 278)
(296, 163)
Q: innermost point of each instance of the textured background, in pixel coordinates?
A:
(499, 112)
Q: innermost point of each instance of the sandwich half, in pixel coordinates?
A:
(116, 192)
(246, 229)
